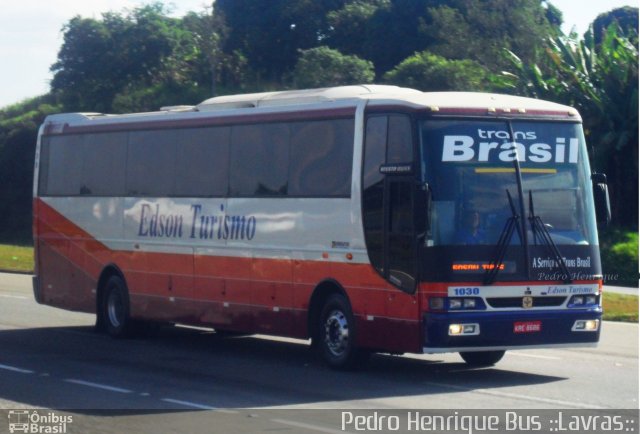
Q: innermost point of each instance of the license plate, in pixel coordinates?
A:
(527, 327)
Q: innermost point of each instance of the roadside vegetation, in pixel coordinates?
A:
(620, 307)
(16, 258)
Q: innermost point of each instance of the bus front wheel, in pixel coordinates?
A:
(482, 358)
(337, 335)
(115, 308)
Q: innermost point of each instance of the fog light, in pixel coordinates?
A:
(586, 325)
(464, 329)
(455, 329)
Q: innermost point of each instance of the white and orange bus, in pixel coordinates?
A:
(366, 218)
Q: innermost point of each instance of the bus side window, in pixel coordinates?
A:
(259, 160)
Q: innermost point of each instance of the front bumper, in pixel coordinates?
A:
(497, 330)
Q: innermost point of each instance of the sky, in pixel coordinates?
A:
(31, 34)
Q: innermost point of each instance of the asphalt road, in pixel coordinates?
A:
(185, 379)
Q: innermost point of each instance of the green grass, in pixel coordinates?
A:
(620, 307)
(16, 258)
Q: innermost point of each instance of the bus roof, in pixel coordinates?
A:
(375, 95)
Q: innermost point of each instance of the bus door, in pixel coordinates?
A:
(388, 201)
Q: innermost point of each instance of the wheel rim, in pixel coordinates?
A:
(115, 309)
(336, 336)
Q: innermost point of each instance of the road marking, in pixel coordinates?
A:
(196, 405)
(568, 404)
(21, 297)
(533, 356)
(98, 385)
(14, 369)
(308, 426)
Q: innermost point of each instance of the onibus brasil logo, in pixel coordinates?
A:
(31, 421)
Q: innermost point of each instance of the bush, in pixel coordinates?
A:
(619, 252)
(430, 72)
(325, 67)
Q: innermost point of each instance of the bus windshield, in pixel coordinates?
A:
(469, 166)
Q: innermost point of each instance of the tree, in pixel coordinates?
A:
(101, 58)
(626, 18)
(324, 67)
(349, 27)
(18, 134)
(209, 31)
(271, 33)
(601, 81)
(480, 29)
(430, 72)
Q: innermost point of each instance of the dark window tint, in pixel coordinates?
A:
(259, 160)
(43, 166)
(64, 160)
(321, 158)
(373, 191)
(399, 142)
(375, 148)
(104, 161)
(203, 162)
(151, 161)
(401, 241)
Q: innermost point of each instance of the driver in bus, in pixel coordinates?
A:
(470, 232)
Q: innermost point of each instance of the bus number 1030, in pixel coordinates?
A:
(466, 291)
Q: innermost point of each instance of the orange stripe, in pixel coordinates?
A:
(268, 282)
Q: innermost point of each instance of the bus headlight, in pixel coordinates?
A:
(589, 300)
(469, 303)
(453, 304)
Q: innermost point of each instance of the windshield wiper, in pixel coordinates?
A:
(541, 232)
(511, 224)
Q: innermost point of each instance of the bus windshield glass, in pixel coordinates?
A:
(470, 166)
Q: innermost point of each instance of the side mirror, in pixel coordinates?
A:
(601, 199)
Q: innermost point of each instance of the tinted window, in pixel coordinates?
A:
(64, 175)
(203, 162)
(375, 149)
(259, 160)
(400, 142)
(373, 189)
(321, 158)
(151, 161)
(104, 161)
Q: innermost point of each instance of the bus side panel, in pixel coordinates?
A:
(68, 274)
(256, 290)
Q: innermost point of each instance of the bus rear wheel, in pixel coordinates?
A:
(482, 358)
(336, 335)
(116, 319)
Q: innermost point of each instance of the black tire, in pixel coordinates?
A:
(115, 313)
(482, 358)
(337, 335)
